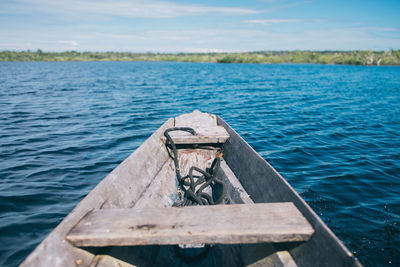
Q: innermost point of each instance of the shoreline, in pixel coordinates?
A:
(201, 62)
(361, 57)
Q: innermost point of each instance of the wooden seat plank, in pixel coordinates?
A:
(205, 126)
(204, 135)
(220, 224)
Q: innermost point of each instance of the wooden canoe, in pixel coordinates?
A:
(128, 218)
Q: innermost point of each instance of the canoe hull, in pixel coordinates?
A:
(249, 179)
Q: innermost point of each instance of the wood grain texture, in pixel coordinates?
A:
(220, 224)
(196, 119)
(108, 261)
(204, 135)
(205, 126)
(276, 259)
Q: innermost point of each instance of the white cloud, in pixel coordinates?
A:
(67, 45)
(70, 43)
(383, 29)
(132, 9)
(202, 39)
(271, 21)
(228, 40)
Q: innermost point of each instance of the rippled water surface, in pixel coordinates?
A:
(332, 131)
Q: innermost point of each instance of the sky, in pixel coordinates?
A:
(199, 26)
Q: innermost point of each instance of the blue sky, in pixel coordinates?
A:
(198, 26)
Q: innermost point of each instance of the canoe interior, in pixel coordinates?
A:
(146, 179)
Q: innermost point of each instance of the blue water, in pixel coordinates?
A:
(332, 131)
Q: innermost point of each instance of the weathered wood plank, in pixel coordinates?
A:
(276, 259)
(205, 125)
(196, 119)
(204, 135)
(283, 259)
(108, 261)
(220, 224)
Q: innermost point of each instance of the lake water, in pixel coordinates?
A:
(332, 131)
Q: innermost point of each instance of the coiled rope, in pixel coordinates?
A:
(188, 183)
(191, 196)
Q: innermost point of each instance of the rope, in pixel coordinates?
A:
(188, 185)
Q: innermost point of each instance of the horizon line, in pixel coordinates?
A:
(38, 50)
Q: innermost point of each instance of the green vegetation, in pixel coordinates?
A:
(362, 57)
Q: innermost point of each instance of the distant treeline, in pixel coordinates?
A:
(362, 57)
